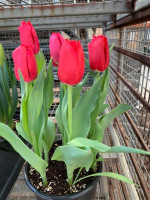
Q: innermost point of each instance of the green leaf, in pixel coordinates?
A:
(21, 132)
(102, 148)
(98, 133)
(73, 158)
(35, 161)
(46, 139)
(64, 107)
(61, 92)
(87, 63)
(120, 109)
(22, 84)
(6, 81)
(112, 175)
(14, 103)
(1, 113)
(83, 109)
(77, 91)
(92, 73)
(4, 104)
(2, 55)
(58, 116)
(35, 100)
(2, 84)
(104, 86)
(10, 71)
(60, 110)
(38, 126)
(24, 118)
(49, 134)
(40, 60)
(102, 108)
(48, 90)
(23, 109)
(111, 48)
(94, 113)
(100, 158)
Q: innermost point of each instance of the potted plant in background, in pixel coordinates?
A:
(10, 161)
(75, 158)
(8, 98)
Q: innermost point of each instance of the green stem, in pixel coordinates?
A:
(93, 166)
(46, 156)
(70, 111)
(44, 179)
(28, 87)
(70, 179)
(97, 75)
(34, 143)
(77, 175)
(46, 153)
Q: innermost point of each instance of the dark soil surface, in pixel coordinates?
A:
(57, 178)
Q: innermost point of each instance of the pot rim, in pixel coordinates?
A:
(71, 196)
(2, 140)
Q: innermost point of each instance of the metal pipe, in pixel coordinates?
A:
(139, 57)
(133, 125)
(107, 7)
(134, 18)
(135, 93)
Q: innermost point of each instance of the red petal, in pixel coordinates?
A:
(69, 70)
(20, 62)
(24, 60)
(32, 65)
(55, 44)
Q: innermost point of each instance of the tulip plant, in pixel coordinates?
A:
(8, 99)
(82, 133)
(77, 114)
(36, 99)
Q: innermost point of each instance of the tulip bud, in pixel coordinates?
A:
(98, 53)
(71, 62)
(55, 43)
(2, 55)
(28, 36)
(24, 59)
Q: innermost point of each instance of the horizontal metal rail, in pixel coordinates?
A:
(136, 94)
(60, 26)
(110, 7)
(139, 57)
(58, 20)
(33, 2)
(133, 125)
(134, 18)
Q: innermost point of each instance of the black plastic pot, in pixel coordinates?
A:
(5, 146)
(10, 166)
(86, 194)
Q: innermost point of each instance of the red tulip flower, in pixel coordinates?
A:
(24, 59)
(98, 53)
(28, 36)
(55, 43)
(71, 62)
